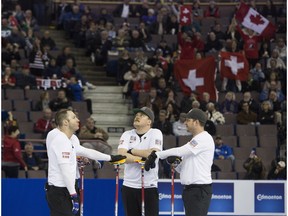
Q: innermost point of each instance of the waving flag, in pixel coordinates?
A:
(251, 19)
(185, 15)
(197, 75)
(234, 66)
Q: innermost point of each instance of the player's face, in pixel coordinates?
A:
(141, 120)
(73, 121)
(191, 124)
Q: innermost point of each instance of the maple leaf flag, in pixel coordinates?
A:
(197, 75)
(185, 15)
(234, 66)
(251, 19)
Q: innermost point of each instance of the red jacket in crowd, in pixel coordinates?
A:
(12, 151)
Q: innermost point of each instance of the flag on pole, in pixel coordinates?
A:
(234, 66)
(251, 19)
(197, 75)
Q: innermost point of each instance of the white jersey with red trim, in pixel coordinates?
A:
(61, 150)
(132, 171)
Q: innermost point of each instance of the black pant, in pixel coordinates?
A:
(59, 201)
(11, 171)
(132, 201)
(196, 199)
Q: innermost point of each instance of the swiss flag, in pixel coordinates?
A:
(251, 19)
(197, 75)
(234, 66)
(185, 15)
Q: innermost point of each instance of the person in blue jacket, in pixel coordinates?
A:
(223, 152)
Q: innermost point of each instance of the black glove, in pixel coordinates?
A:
(150, 162)
(117, 158)
(75, 203)
(174, 161)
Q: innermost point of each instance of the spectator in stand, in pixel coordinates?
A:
(212, 44)
(257, 77)
(12, 157)
(229, 105)
(205, 100)
(278, 172)
(61, 102)
(121, 41)
(158, 73)
(179, 127)
(264, 53)
(171, 98)
(8, 79)
(185, 42)
(220, 35)
(212, 10)
(29, 21)
(142, 9)
(18, 13)
(102, 46)
(223, 152)
(130, 77)
(52, 71)
(172, 25)
(10, 52)
(90, 131)
(44, 101)
(213, 115)
(111, 29)
(76, 93)
(136, 41)
(25, 80)
(271, 86)
(46, 40)
(124, 10)
(172, 112)
(7, 120)
(162, 89)
(150, 18)
(70, 20)
(253, 104)
(254, 166)
(246, 116)
(62, 57)
(250, 44)
(232, 33)
(269, 9)
(105, 16)
(92, 35)
(33, 161)
(16, 38)
(166, 50)
(276, 106)
(44, 124)
(163, 124)
(266, 114)
(142, 86)
(186, 102)
(279, 62)
(282, 49)
(91, 16)
(124, 64)
(38, 59)
(159, 26)
(154, 102)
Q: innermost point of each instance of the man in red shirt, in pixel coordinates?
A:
(12, 156)
(44, 124)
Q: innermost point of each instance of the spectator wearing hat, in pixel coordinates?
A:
(278, 172)
(223, 152)
(179, 127)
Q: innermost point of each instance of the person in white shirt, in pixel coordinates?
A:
(195, 168)
(63, 147)
(179, 127)
(137, 144)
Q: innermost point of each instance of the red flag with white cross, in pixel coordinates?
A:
(197, 75)
(185, 15)
(251, 19)
(234, 66)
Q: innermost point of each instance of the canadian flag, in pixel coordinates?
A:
(251, 19)
(185, 15)
(234, 66)
(197, 75)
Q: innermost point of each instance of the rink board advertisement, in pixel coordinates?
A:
(237, 197)
(231, 198)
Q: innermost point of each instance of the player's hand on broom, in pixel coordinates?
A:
(174, 161)
(141, 160)
(83, 161)
(150, 162)
(117, 159)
